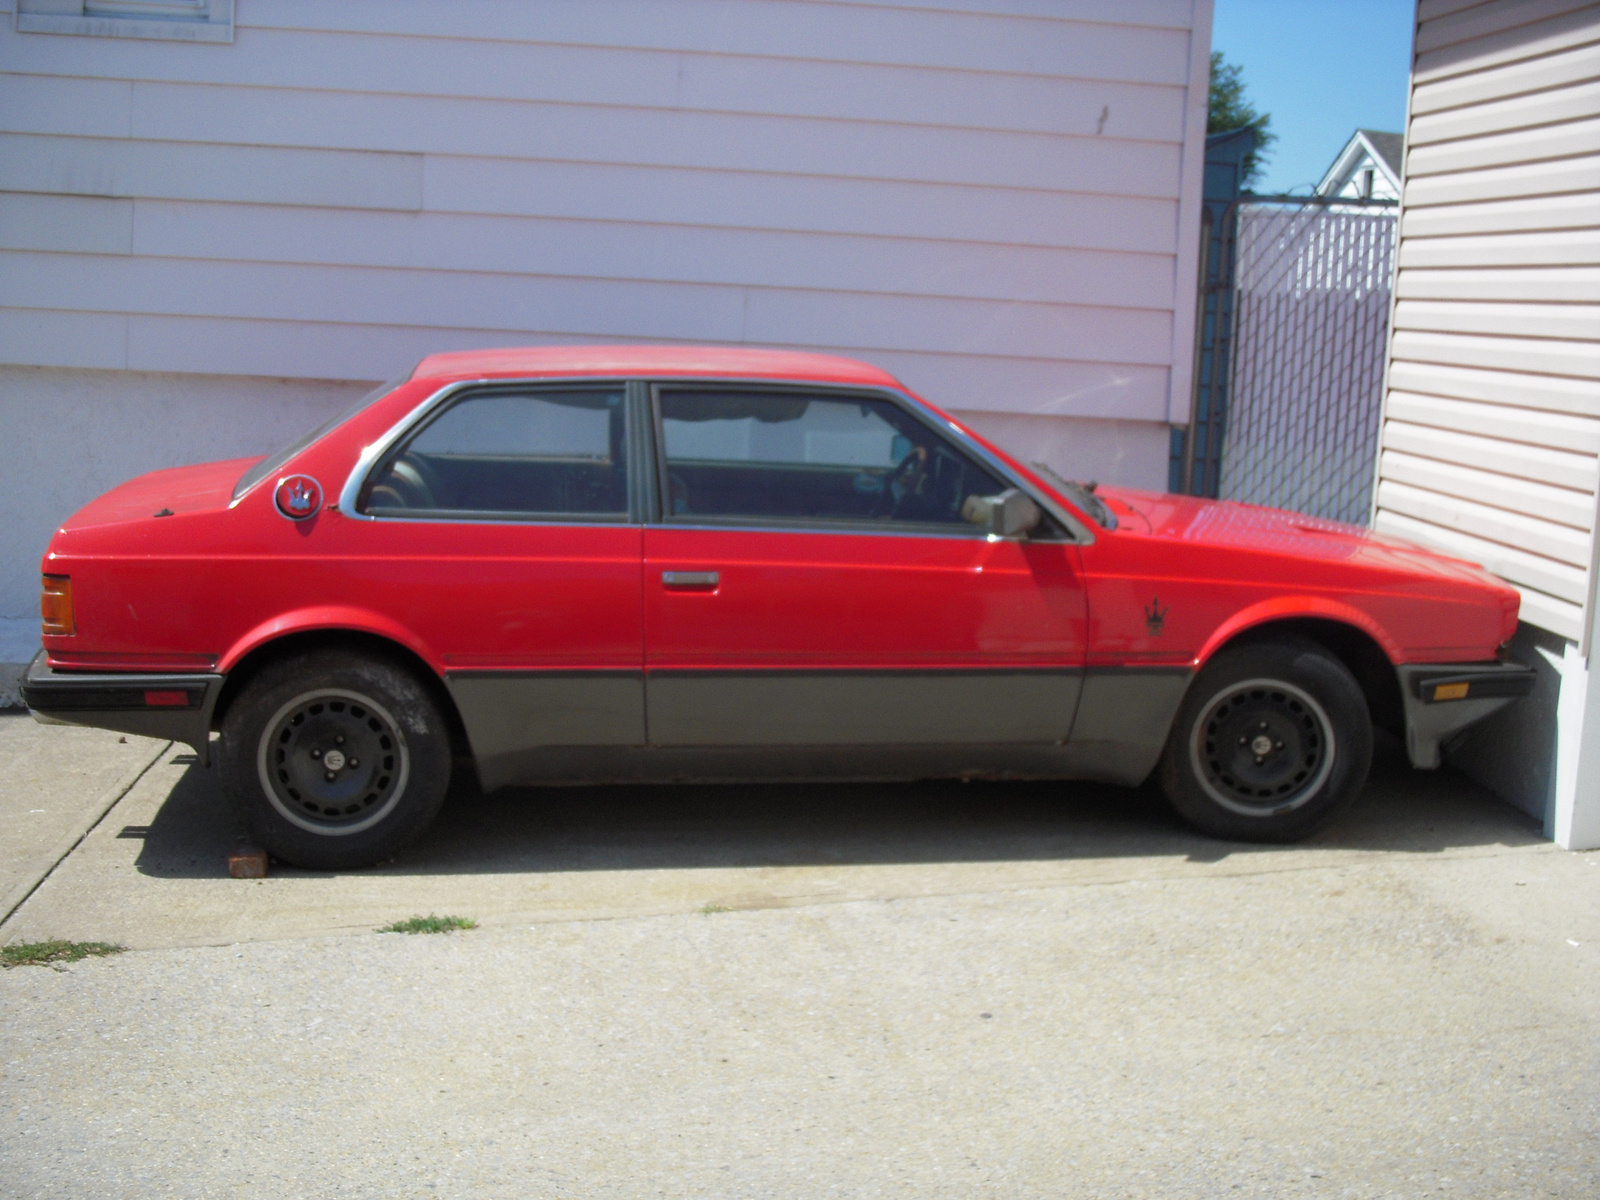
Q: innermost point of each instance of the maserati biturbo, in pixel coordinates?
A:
(664, 563)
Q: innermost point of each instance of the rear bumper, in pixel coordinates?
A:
(177, 707)
(1442, 699)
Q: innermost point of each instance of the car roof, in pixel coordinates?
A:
(731, 361)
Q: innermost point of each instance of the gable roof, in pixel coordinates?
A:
(1386, 150)
(1390, 147)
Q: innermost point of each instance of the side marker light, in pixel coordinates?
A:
(55, 606)
(1450, 691)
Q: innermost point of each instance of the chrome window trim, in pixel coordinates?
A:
(350, 493)
(1077, 531)
(316, 437)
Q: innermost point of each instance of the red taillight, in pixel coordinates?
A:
(55, 606)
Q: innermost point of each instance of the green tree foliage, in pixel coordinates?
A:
(1229, 110)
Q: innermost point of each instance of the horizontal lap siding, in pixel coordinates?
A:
(1491, 438)
(987, 197)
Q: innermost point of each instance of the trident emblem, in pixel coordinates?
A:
(1155, 617)
(298, 497)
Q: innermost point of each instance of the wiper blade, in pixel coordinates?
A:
(1083, 496)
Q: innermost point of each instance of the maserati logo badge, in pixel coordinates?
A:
(1155, 617)
(298, 497)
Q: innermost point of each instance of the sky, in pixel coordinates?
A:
(1323, 69)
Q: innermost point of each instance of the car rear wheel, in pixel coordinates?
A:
(335, 760)
(1272, 740)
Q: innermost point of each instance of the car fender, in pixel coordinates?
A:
(1281, 608)
(328, 617)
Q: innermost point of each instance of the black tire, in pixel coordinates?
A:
(291, 720)
(1273, 739)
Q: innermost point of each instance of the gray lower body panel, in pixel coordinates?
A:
(860, 708)
(1123, 720)
(511, 716)
(566, 727)
(560, 765)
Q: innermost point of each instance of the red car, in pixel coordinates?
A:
(614, 563)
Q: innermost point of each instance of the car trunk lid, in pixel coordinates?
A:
(203, 487)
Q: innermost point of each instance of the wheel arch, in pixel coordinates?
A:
(1350, 643)
(295, 642)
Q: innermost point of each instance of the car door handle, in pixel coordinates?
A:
(690, 579)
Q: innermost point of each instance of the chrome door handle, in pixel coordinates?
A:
(690, 579)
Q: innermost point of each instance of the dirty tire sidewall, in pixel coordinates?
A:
(1315, 688)
(395, 711)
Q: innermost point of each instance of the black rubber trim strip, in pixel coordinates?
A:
(544, 673)
(47, 690)
(778, 672)
(53, 697)
(849, 672)
(1483, 683)
(1140, 669)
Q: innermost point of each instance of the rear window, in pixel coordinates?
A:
(549, 454)
(274, 462)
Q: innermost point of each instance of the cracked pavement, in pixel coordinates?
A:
(850, 990)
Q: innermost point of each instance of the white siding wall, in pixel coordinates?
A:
(986, 197)
(983, 197)
(1491, 436)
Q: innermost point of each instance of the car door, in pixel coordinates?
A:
(502, 530)
(812, 581)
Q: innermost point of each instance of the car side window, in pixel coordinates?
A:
(530, 454)
(793, 458)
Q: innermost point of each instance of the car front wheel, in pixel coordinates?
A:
(335, 760)
(1272, 740)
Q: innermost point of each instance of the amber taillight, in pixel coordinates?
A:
(55, 606)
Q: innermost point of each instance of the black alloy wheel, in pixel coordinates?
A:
(1262, 747)
(1272, 740)
(335, 759)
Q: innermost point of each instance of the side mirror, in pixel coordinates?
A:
(1011, 514)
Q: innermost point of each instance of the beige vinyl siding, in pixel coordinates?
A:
(1491, 436)
(987, 197)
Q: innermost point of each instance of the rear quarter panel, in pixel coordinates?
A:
(199, 589)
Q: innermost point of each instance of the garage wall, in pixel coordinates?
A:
(986, 197)
(1492, 423)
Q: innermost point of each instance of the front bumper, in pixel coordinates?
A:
(1442, 699)
(178, 707)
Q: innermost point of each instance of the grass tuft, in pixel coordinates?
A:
(40, 954)
(430, 924)
(709, 908)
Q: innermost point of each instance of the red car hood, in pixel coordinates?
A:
(201, 488)
(1226, 524)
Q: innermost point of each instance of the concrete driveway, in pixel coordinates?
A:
(920, 990)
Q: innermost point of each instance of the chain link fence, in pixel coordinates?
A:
(1311, 311)
(1289, 413)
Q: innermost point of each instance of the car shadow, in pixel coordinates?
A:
(654, 827)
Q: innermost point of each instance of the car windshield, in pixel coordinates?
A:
(1081, 494)
(272, 462)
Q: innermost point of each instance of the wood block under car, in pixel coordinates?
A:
(247, 861)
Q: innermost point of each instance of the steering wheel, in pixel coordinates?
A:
(677, 494)
(900, 484)
(408, 483)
